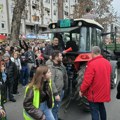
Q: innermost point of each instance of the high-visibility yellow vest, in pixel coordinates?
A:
(36, 101)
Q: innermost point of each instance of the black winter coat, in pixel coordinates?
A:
(11, 71)
(49, 50)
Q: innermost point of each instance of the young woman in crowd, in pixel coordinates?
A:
(38, 96)
(17, 61)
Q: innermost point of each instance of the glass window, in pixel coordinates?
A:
(99, 38)
(85, 39)
(94, 37)
(2, 25)
(47, 1)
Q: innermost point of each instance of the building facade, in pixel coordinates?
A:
(37, 14)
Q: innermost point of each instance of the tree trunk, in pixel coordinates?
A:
(16, 20)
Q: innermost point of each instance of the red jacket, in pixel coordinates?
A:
(96, 82)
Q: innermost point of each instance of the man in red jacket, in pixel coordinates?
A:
(96, 84)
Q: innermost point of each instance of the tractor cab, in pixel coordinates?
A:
(79, 34)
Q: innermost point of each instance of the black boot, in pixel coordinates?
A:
(13, 100)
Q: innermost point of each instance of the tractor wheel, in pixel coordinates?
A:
(79, 81)
(114, 77)
(82, 101)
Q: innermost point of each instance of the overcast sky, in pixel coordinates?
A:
(116, 5)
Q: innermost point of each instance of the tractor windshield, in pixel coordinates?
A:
(85, 39)
(89, 37)
(81, 39)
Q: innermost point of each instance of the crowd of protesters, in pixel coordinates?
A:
(38, 67)
(18, 62)
(18, 66)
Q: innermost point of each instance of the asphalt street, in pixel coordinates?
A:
(74, 112)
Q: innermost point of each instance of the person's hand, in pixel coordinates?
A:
(64, 52)
(80, 93)
(50, 57)
(57, 98)
(2, 113)
(43, 117)
(2, 68)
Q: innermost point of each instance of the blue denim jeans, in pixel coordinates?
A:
(24, 75)
(47, 111)
(57, 105)
(98, 111)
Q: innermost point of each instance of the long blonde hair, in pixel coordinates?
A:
(39, 77)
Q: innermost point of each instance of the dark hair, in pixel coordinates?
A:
(88, 9)
(55, 54)
(55, 37)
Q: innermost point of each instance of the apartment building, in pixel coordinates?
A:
(4, 18)
(37, 14)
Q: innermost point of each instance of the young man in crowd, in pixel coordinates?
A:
(59, 80)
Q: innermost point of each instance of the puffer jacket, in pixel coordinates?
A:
(59, 77)
(11, 71)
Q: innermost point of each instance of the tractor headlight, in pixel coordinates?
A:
(79, 23)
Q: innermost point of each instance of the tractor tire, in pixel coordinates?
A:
(118, 64)
(79, 81)
(114, 77)
(81, 100)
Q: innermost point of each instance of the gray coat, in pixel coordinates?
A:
(59, 77)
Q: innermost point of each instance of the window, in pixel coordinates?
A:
(35, 18)
(54, 12)
(85, 39)
(47, 1)
(47, 10)
(76, 1)
(94, 37)
(99, 38)
(2, 25)
(66, 13)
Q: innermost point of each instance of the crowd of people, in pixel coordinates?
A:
(25, 64)
(39, 68)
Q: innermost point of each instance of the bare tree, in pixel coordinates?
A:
(79, 9)
(103, 9)
(105, 12)
(16, 20)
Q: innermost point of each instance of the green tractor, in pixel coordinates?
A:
(81, 35)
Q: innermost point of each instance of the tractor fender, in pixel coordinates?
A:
(84, 57)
